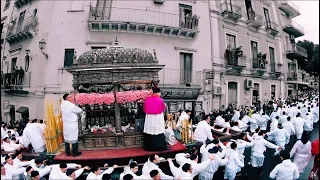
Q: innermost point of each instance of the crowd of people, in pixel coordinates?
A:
(272, 125)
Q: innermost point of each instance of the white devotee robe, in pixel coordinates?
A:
(205, 154)
(127, 170)
(236, 116)
(291, 112)
(280, 136)
(36, 137)
(285, 170)
(236, 128)
(4, 133)
(241, 146)
(10, 146)
(183, 116)
(233, 166)
(212, 168)
(149, 166)
(15, 172)
(289, 127)
(283, 118)
(258, 149)
(42, 171)
(219, 121)
(70, 113)
(245, 119)
(298, 126)
(17, 163)
(178, 173)
(196, 167)
(203, 132)
(264, 122)
(56, 172)
(274, 124)
(7, 176)
(255, 118)
(304, 112)
(315, 114)
(92, 176)
(302, 154)
(274, 114)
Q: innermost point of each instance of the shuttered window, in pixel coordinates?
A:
(68, 57)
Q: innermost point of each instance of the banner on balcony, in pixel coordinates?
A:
(180, 93)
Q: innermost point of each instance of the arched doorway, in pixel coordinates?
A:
(232, 93)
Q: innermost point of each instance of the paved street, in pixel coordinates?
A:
(270, 162)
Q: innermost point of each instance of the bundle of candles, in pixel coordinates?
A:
(53, 132)
(186, 131)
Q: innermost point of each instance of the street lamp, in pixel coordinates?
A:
(42, 45)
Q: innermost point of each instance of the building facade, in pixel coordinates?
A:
(40, 38)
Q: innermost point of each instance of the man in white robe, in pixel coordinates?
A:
(304, 111)
(258, 149)
(283, 117)
(96, 174)
(288, 125)
(280, 136)
(203, 130)
(264, 121)
(236, 115)
(152, 164)
(16, 172)
(193, 160)
(18, 163)
(9, 146)
(209, 145)
(298, 125)
(131, 169)
(58, 171)
(32, 134)
(255, 118)
(286, 169)
(5, 175)
(185, 115)
(234, 164)
(214, 164)
(70, 114)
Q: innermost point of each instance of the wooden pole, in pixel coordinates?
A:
(117, 109)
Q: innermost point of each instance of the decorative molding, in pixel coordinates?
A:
(266, 2)
(230, 28)
(15, 48)
(75, 11)
(4, 18)
(253, 35)
(99, 42)
(271, 42)
(185, 49)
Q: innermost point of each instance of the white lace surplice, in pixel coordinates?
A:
(154, 124)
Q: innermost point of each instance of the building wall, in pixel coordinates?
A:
(63, 25)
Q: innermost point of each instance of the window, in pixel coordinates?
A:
(20, 22)
(98, 47)
(186, 68)
(272, 60)
(273, 91)
(102, 9)
(185, 11)
(68, 57)
(255, 92)
(13, 64)
(254, 49)
(231, 41)
(250, 13)
(6, 6)
(267, 17)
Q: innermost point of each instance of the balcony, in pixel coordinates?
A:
(292, 76)
(272, 28)
(275, 69)
(235, 61)
(16, 82)
(254, 20)
(258, 67)
(22, 31)
(230, 11)
(297, 52)
(20, 3)
(143, 21)
(179, 77)
(294, 28)
(289, 8)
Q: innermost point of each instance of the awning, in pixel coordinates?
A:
(22, 110)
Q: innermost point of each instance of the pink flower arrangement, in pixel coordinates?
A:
(108, 98)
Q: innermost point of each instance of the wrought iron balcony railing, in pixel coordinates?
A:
(143, 16)
(231, 10)
(25, 25)
(258, 63)
(235, 59)
(17, 80)
(254, 19)
(179, 76)
(271, 26)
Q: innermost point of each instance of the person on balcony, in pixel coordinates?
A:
(20, 76)
(70, 125)
(228, 55)
(154, 125)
